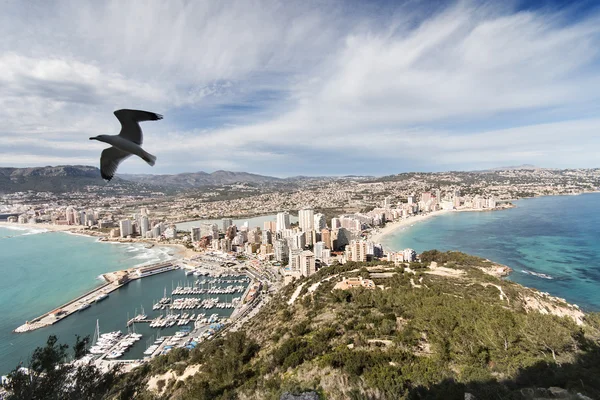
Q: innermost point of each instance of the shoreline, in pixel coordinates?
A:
(391, 227)
(41, 225)
(180, 250)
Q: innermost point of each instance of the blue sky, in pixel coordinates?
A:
(304, 88)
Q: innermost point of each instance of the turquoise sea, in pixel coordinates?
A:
(552, 243)
(39, 271)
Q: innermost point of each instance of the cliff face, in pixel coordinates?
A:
(429, 331)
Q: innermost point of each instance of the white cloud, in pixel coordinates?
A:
(437, 90)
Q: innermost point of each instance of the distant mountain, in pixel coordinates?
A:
(58, 179)
(199, 179)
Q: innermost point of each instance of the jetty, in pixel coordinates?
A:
(114, 280)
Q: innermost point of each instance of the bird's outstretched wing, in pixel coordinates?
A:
(130, 129)
(110, 160)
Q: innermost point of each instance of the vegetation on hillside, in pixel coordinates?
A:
(418, 335)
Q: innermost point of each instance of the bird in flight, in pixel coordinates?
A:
(126, 143)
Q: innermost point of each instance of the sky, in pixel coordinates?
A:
(287, 88)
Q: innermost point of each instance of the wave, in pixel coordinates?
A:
(538, 274)
(27, 230)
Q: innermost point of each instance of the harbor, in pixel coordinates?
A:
(114, 281)
(176, 304)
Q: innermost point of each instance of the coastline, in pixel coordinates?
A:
(44, 226)
(180, 251)
(396, 225)
(391, 227)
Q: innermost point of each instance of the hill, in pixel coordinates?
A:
(423, 332)
(59, 179)
(199, 179)
(443, 328)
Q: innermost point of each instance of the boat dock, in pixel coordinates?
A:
(115, 280)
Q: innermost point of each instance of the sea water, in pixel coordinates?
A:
(39, 271)
(551, 243)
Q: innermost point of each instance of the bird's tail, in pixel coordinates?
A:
(150, 159)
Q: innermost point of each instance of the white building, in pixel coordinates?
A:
(307, 263)
(144, 225)
(319, 222)
(298, 240)
(409, 255)
(306, 219)
(281, 250)
(318, 249)
(125, 228)
(283, 221)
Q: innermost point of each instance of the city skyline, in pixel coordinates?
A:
(390, 87)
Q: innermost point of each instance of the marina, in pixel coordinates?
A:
(196, 308)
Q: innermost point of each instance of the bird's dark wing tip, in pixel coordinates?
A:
(158, 116)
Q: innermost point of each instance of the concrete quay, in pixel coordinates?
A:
(115, 280)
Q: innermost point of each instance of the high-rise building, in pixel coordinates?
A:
(125, 228)
(318, 250)
(70, 215)
(144, 225)
(270, 226)
(294, 259)
(326, 238)
(283, 221)
(208, 229)
(226, 223)
(411, 199)
(196, 234)
(144, 211)
(267, 238)
(231, 232)
(298, 240)
(335, 223)
(320, 222)
(306, 219)
(281, 250)
(255, 235)
(307, 263)
(358, 251)
(438, 195)
(157, 230)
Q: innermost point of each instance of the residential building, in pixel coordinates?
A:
(319, 222)
(306, 219)
(307, 263)
(283, 221)
(125, 228)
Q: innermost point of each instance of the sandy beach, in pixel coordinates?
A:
(48, 227)
(378, 234)
(180, 250)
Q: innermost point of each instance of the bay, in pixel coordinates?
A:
(552, 243)
(40, 271)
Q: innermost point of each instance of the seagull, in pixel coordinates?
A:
(126, 143)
